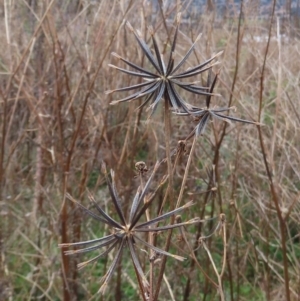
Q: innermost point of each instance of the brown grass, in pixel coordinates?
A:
(57, 125)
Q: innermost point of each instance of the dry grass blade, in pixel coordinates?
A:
(56, 126)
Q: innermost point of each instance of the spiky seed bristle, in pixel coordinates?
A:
(116, 55)
(129, 26)
(81, 265)
(114, 102)
(64, 245)
(112, 66)
(108, 92)
(139, 33)
(70, 252)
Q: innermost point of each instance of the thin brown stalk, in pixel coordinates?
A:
(180, 151)
(225, 124)
(186, 172)
(3, 138)
(39, 175)
(193, 256)
(278, 97)
(170, 192)
(127, 144)
(29, 46)
(220, 289)
(64, 211)
(16, 100)
(274, 194)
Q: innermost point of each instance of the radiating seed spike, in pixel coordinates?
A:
(180, 258)
(115, 55)
(64, 245)
(139, 33)
(198, 37)
(112, 66)
(129, 26)
(82, 265)
(70, 252)
(178, 18)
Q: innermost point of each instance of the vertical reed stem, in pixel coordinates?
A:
(170, 192)
(186, 171)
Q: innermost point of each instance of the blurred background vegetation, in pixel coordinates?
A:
(57, 125)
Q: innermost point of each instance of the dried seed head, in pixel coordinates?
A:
(181, 146)
(179, 238)
(200, 241)
(222, 218)
(154, 257)
(166, 76)
(141, 167)
(178, 219)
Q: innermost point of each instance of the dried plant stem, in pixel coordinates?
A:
(275, 198)
(223, 230)
(150, 240)
(39, 177)
(169, 191)
(68, 163)
(193, 256)
(223, 132)
(186, 171)
(169, 288)
(178, 154)
(278, 97)
(237, 60)
(127, 138)
(16, 100)
(28, 48)
(141, 286)
(2, 147)
(216, 271)
(168, 150)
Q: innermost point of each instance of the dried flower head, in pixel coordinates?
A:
(163, 79)
(203, 115)
(125, 232)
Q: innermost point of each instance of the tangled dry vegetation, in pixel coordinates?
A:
(224, 196)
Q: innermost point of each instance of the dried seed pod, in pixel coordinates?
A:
(181, 147)
(141, 167)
